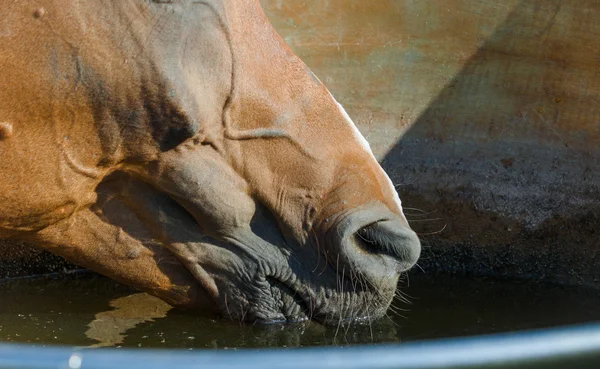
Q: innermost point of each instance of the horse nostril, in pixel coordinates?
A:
(392, 238)
(368, 239)
(379, 250)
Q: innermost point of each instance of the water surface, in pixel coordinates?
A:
(92, 311)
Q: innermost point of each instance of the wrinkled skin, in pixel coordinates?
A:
(182, 148)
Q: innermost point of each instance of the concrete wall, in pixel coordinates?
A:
(485, 113)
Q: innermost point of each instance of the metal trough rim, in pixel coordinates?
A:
(566, 347)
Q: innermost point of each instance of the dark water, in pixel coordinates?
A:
(94, 311)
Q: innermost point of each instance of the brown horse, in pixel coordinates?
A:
(182, 148)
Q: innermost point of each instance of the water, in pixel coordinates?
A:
(92, 311)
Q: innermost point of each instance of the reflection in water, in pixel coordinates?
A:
(109, 327)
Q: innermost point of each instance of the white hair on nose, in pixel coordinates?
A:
(365, 144)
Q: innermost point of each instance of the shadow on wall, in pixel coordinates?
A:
(499, 173)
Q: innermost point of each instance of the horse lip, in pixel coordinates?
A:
(295, 295)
